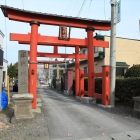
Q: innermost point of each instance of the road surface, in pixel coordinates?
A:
(69, 119)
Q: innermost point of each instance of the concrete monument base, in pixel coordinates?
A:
(88, 100)
(68, 92)
(22, 108)
(136, 110)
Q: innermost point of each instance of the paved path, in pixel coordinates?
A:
(69, 119)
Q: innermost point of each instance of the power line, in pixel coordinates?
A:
(88, 14)
(89, 8)
(23, 9)
(74, 7)
(81, 8)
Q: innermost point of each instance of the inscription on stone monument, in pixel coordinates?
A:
(22, 72)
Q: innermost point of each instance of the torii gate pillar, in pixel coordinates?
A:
(77, 67)
(91, 87)
(33, 60)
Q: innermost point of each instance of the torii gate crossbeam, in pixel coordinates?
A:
(52, 41)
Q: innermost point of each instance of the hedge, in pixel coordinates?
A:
(133, 71)
(125, 89)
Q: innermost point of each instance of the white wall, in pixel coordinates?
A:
(5, 64)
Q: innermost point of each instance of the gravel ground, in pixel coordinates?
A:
(31, 129)
(34, 129)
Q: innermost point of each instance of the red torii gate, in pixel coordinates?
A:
(35, 19)
(45, 40)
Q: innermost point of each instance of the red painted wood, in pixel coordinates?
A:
(106, 85)
(33, 66)
(49, 19)
(53, 41)
(77, 67)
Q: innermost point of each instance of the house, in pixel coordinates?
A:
(127, 55)
(3, 62)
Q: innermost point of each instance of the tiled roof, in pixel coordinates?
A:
(3, 7)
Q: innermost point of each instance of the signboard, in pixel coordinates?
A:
(46, 66)
(118, 11)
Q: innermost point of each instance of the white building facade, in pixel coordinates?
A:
(5, 62)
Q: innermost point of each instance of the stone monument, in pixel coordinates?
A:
(22, 100)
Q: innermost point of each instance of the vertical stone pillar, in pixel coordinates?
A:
(22, 72)
(77, 71)
(22, 100)
(91, 85)
(33, 60)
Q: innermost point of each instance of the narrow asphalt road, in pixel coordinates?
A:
(69, 119)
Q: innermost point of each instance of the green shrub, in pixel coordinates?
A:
(133, 71)
(125, 89)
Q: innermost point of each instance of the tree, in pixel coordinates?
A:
(133, 71)
(13, 70)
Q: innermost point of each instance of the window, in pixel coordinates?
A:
(1, 57)
(85, 70)
(84, 51)
(101, 49)
(95, 49)
(120, 71)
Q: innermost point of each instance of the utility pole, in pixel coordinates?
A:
(113, 53)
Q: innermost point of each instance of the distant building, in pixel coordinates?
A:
(127, 55)
(4, 63)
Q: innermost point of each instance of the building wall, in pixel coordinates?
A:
(127, 50)
(5, 64)
(97, 64)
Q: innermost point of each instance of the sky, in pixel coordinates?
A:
(128, 27)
